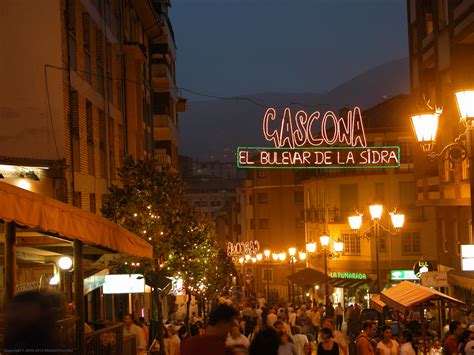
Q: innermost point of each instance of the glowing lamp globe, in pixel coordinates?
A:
(324, 239)
(338, 246)
(398, 219)
(65, 263)
(465, 101)
(259, 257)
(376, 210)
(302, 255)
(54, 280)
(267, 253)
(254, 260)
(247, 257)
(241, 260)
(311, 247)
(282, 256)
(355, 221)
(292, 251)
(275, 256)
(425, 127)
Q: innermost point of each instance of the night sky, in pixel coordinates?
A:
(238, 47)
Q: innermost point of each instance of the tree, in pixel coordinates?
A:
(149, 201)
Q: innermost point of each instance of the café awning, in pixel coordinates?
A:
(59, 219)
(376, 303)
(407, 295)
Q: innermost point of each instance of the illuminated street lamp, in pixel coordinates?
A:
(425, 127)
(267, 253)
(282, 256)
(338, 246)
(275, 256)
(376, 210)
(465, 101)
(311, 247)
(292, 251)
(302, 255)
(259, 257)
(247, 257)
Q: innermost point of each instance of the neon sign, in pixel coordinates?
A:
(243, 248)
(348, 275)
(316, 141)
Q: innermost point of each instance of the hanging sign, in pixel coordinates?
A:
(403, 275)
(316, 141)
(421, 267)
(434, 279)
(467, 257)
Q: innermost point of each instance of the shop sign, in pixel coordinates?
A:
(316, 140)
(124, 283)
(421, 267)
(243, 248)
(434, 279)
(348, 275)
(403, 275)
(467, 257)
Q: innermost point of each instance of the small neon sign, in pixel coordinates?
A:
(316, 141)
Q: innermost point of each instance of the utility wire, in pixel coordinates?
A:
(202, 94)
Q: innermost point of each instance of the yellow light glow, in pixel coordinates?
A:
(398, 219)
(275, 256)
(254, 260)
(425, 126)
(247, 257)
(292, 251)
(54, 280)
(24, 184)
(465, 100)
(355, 221)
(302, 255)
(324, 239)
(267, 253)
(241, 260)
(311, 247)
(259, 257)
(338, 246)
(376, 210)
(65, 263)
(282, 256)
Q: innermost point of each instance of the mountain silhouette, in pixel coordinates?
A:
(214, 128)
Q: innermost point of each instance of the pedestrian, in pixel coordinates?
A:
(255, 331)
(271, 318)
(337, 335)
(286, 346)
(451, 342)
(172, 341)
(131, 328)
(469, 348)
(387, 346)
(265, 342)
(363, 343)
(327, 346)
(221, 321)
(463, 339)
(407, 347)
(339, 311)
(299, 340)
(236, 338)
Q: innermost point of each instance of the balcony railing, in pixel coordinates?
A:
(318, 215)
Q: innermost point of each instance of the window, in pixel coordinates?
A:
(406, 151)
(448, 171)
(299, 223)
(216, 203)
(351, 243)
(267, 275)
(77, 200)
(262, 197)
(87, 46)
(349, 198)
(299, 196)
(71, 12)
(261, 173)
(92, 203)
(99, 44)
(161, 104)
(263, 223)
(74, 108)
(89, 122)
(411, 243)
(200, 203)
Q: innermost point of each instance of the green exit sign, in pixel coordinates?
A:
(403, 275)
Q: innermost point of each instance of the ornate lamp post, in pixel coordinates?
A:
(425, 127)
(267, 253)
(376, 210)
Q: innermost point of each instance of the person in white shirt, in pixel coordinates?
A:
(131, 328)
(292, 319)
(172, 343)
(406, 338)
(236, 338)
(271, 318)
(299, 340)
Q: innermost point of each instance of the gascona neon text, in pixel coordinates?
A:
(315, 129)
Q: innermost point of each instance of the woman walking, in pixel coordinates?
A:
(327, 346)
(387, 346)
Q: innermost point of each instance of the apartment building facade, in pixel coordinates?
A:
(441, 43)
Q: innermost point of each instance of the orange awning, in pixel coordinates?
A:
(29, 209)
(377, 304)
(407, 295)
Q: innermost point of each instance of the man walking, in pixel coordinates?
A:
(363, 344)
(339, 311)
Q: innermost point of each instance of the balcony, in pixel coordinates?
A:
(161, 76)
(162, 158)
(164, 128)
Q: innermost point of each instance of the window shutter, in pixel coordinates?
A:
(74, 107)
(86, 31)
(71, 13)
